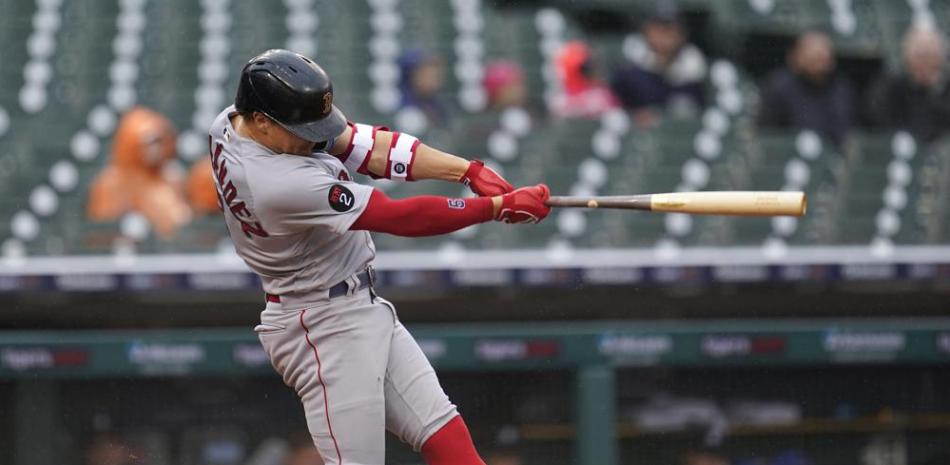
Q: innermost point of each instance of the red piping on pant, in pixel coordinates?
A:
(326, 400)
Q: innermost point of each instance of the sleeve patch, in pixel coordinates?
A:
(458, 204)
(340, 198)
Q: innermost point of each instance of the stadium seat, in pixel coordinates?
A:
(719, 151)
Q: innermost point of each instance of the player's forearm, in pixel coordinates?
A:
(427, 162)
(424, 215)
(380, 153)
(432, 163)
(377, 154)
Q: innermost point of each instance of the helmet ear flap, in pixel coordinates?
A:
(247, 98)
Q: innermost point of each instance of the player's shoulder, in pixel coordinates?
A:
(329, 162)
(318, 165)
(311, 165)
(219, 126)
(280, 175)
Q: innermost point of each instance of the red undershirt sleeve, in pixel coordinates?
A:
(424, 215)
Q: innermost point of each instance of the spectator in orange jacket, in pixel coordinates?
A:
(136, 178)
(202, 194)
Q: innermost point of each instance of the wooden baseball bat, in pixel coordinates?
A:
(739, 203)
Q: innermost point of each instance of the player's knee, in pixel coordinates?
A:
(418, 437)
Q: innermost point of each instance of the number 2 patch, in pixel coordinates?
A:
(340, 198)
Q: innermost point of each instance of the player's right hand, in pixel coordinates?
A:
(524, 205)
(484, 181)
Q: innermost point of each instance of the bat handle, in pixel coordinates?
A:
(575, 202)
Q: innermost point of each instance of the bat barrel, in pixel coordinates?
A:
(740, 203)
(736, 203)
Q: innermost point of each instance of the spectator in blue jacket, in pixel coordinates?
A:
(807, 93)
(421, 76)
(663, 71)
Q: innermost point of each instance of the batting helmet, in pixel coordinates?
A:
(293, 91)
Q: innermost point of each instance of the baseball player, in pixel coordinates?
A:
(282, 158)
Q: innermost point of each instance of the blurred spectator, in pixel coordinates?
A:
(807, 93)
(703, 457)
(137, 178)
(582, 94)
(301, 451)
(202, 194)
(503, 457)
(108, 449)
(663, 70)
(421, 76)
(791, 457)
(918, 99)
(504, 85)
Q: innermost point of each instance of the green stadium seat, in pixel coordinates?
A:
(847, 183)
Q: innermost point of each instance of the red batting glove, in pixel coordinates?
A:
(484, 181)
(524, 205)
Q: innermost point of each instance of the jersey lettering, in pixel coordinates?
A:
(230, 193)
(255, 229)
(227, 194)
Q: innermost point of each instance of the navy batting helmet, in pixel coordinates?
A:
(293, 91)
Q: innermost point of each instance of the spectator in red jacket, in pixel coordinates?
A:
(582, 94)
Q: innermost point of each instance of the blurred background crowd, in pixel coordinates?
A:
(845, 99)
(660, 74)
(596, 338)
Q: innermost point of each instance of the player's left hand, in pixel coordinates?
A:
(484, 181)
(525, 205)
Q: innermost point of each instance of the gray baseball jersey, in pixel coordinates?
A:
(289, 215)
(355, 367)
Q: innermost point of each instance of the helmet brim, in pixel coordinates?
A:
(322, 130)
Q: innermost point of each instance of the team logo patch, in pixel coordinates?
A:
(399, 168)
(340, 198)
(457, 204)
(327, 102)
